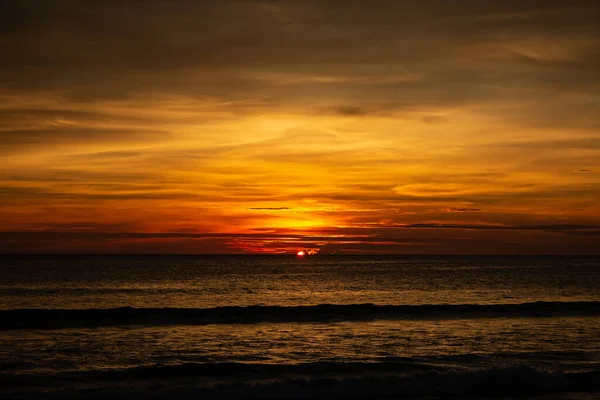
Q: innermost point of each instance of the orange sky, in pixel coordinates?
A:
(253, 126)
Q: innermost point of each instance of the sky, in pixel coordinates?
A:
(343, 127)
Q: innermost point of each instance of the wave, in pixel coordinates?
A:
(304, 381)
(76, 318)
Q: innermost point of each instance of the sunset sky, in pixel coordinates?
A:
(411, 127)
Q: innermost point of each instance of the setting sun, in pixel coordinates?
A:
(300, 253)
(434, 144)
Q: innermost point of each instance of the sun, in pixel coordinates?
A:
(300, 253)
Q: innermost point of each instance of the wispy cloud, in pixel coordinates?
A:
(269, 208)
(226, 117)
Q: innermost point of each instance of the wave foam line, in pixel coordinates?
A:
(194, 381)
(76, 318)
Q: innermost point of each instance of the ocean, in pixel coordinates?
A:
(283, 327)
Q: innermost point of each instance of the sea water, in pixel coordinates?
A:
(289, 327)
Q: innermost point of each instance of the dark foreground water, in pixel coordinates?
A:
(286, 328)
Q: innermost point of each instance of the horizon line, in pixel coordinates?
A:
(313, 255)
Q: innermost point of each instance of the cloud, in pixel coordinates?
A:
(479, 240)
(584, 233)
(463, 210)
(172, 115)
(562, 228)
(218, 39)
(577, 143)
(26, 139)
(351, 111)
(270, 208)
(441, 189)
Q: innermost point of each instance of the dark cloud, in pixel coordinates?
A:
(463, 210)
(24, 139)
(434, 119)
(117, 49)
(563, 228)
(457, 226)
(584, 233)
(375, 233)
(351, 111)
(89, 237)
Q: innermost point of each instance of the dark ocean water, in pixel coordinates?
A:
(283, 327)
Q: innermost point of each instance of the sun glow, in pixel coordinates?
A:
(300, 253)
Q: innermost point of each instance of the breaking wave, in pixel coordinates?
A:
(308, 381)
(76, 318)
